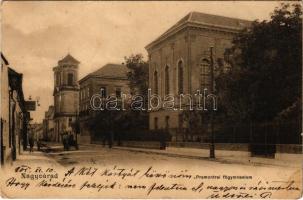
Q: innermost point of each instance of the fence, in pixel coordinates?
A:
(261, 138)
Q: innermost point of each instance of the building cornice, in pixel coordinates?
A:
(66, 88)
(102, 77)
(190, 24)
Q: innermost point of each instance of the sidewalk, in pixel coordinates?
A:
(222, 156)
(33, 158)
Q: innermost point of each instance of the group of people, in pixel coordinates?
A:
(68, 140)
(32, 139)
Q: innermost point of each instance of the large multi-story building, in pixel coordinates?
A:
(66, 95)
(179, 62)
(109, 80)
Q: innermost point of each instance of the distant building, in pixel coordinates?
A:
(112, 80)
(179, 63)
(66, 95)
(48, 125)
(14, 116)
(36, 131)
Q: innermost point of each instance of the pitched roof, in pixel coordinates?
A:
(207, 20)
(15, 82)
(110, 71)
(15, 79)
(69, 59)
(218, 20)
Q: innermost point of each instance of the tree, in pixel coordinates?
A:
(138, 74)
(138, 78)
(265, 78)
(117, 121)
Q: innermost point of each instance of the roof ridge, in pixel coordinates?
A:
(214, 15)
(69, 57)
(219, 21)
(190, 15)
(107, 67)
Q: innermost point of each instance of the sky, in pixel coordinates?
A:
(35, 35)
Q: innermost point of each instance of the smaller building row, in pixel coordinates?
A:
(14, 115)
(72, 98)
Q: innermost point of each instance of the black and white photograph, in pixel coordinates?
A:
(151, 99)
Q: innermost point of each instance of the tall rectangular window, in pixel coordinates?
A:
(156, 82)
(103, 92)
(180, 77)
(118, 92)
(167, 122)
(57, 78)
(166, 80)
(70, 79)
(156, 123)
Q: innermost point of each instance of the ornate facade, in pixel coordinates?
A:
(179, 62)
(66, 95)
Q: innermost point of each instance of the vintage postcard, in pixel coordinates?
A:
(151, 99)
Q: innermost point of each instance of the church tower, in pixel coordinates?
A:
(66, 94)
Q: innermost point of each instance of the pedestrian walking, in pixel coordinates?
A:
(65, 140)
(31, 144)
(31, 139)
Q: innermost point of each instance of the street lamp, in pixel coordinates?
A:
(212, 142)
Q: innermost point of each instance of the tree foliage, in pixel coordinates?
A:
(138, 74)
(265, 78)
(119, 121)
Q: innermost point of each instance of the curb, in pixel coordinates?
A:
(219, 160)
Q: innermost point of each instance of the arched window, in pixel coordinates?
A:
(166, 80)
(58, 78)
(156, 82)
(205, 74)
(70, 79)
(180, 77)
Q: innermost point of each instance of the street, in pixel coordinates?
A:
(101, 155)
(193, 100)
(141, 169)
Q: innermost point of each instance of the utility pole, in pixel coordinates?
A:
(77, 128)
(212, 142)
